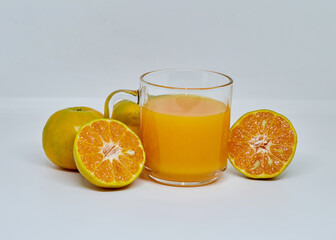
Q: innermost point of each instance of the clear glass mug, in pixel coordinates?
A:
(184, 124)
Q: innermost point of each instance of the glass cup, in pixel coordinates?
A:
(184, 124)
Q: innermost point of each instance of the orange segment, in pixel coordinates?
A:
(90, 135)
(282, 152)
(104, 171)
(264, 121)
(103, 129)
(273, 165)
(92, 161)
(256, 164)
(240, 134)
(129, 141)
(84, 147)
(238, 147)
(262, 143)
(284, 137)
(129, 164)
(243, 159)
(120, 172)
(249, 124)
(108, 154)
(115, 131)
(279, 124)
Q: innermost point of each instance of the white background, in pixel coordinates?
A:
(80, 48)
(63, 53)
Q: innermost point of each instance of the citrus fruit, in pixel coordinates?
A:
(262, 143)
(108, 154)
(60, 131)
(129, 113)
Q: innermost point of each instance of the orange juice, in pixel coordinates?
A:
(185, 137)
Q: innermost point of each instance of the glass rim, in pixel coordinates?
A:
(184, 88)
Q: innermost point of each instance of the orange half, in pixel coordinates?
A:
(262, 143)
(108, 154)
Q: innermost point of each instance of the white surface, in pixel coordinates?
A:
(87, 48)
(40, 201)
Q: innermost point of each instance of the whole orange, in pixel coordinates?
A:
(60, 131)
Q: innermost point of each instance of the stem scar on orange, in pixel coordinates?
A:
(108, 154)
(262, 143)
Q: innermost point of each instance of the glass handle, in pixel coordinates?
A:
(131, 95)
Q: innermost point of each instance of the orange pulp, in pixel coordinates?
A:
(185, 137)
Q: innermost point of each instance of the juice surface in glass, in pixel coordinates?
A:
(185, 137)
